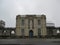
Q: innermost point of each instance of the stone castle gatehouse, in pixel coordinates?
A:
(31, 25)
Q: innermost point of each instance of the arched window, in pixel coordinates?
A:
(58, 31)
(12, 32)
(4, 31)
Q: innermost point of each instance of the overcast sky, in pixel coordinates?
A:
(10, 8)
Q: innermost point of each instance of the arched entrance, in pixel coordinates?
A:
(30, 33)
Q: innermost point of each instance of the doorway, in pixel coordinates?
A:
(30, 33)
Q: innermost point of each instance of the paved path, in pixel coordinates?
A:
(31, 41)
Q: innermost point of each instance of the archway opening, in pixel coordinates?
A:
(30, 33)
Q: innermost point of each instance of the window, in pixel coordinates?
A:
(39, 31)
(32, 24)
(29, 24)
(12, 32)
(38, 22)
(22, 31)
(22, 21)
(4, 31)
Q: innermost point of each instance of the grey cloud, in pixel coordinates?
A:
(10, 8)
